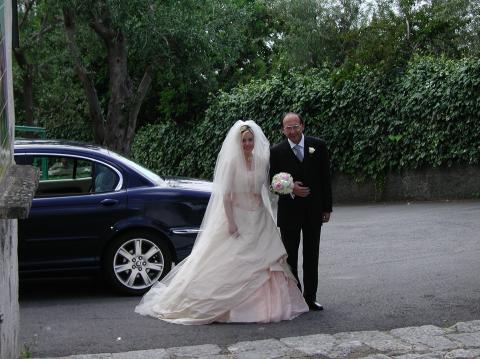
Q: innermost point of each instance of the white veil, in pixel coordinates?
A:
(231, 176)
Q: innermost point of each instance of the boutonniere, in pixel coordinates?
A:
(311, 150)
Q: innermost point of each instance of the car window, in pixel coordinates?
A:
(61, 175)
(153, 177)
(106, 179)
(84, 169)
(60, 168)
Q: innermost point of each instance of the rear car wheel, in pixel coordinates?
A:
(135, 261)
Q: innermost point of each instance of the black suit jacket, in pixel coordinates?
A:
(313, 172)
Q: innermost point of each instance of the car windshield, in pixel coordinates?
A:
(142, 170)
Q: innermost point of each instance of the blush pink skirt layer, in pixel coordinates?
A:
(278, 299)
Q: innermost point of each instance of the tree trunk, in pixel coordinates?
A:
(28, 96)
(124, 104)
(121, 93)
(118, 129)
(95, 110)
(27, 77)
(136, 104)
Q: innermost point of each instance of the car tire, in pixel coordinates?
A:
(134, 261)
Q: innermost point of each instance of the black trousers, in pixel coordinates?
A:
(311, 247)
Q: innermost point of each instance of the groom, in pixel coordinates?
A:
(310, 204)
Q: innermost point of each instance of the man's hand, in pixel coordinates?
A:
(299, 190)
(325, 217)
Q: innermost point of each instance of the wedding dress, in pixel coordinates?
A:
(232, 278)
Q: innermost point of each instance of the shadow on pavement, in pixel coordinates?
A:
(64, 288)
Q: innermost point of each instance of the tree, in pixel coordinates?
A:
(152, 36)
(185, 84)
(436, 27)
(384, 34)
(315, 33)
(35, 22)
(400, 29)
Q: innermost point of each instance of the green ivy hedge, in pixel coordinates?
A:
(373, 123)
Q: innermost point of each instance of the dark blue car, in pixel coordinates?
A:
(95, 210)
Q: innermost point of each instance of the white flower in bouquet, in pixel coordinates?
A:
(282, 183)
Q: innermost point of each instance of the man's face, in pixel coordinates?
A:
(293, 128)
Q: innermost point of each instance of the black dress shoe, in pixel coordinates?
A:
(314, 306)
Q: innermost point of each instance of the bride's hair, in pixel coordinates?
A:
(245, 128)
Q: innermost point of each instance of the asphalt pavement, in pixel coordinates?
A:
(382, 267)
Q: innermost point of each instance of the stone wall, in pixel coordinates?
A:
(9, 311)
(422, 184)
(8, 236)
(16, 191)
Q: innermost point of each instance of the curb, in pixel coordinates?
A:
(460, 341)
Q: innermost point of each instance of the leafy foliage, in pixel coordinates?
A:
(373, 124)
(314, 33)
(167, 148)
(383, 34)
(390, 85)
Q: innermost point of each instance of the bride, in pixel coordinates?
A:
(237, 270)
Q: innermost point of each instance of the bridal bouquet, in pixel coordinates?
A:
(282, 183)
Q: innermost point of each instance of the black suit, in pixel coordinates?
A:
(303, 214)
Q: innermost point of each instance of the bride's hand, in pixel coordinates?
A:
(233, 229)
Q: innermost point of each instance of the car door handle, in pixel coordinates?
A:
(108, 202)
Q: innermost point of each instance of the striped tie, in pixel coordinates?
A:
(298, 152)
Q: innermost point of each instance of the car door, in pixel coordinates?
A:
(70, 217)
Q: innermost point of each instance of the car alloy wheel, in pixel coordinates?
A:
(137, 261)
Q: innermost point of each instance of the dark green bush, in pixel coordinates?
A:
(63, 111)
(168, 149)
(373, 123)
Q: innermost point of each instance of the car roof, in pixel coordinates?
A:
(60, 144)
(76, 148)
(67, 147)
